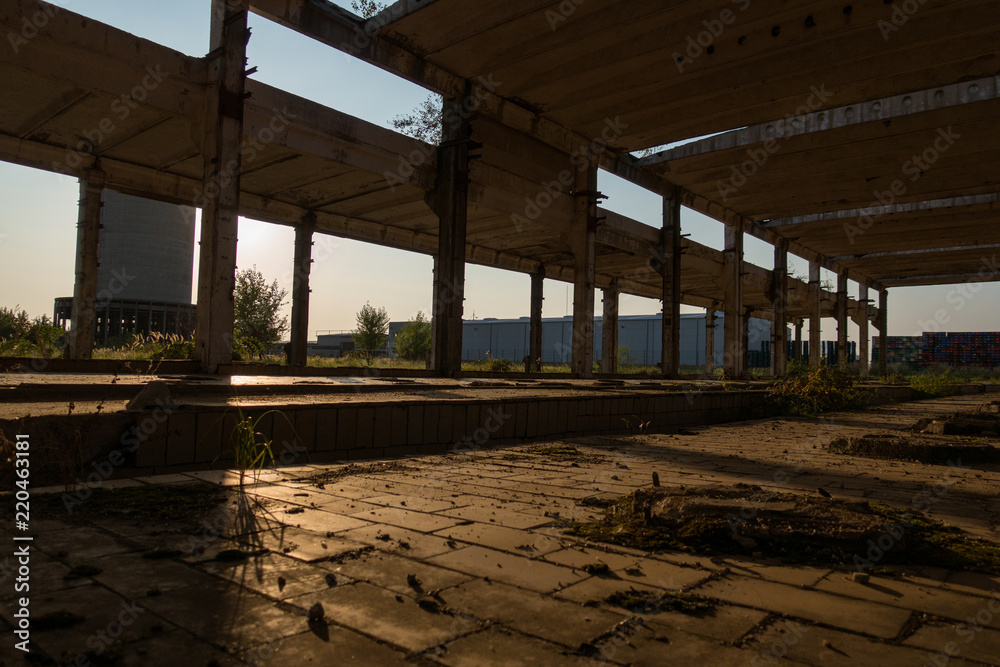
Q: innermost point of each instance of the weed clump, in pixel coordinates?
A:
(744, 520)
(813, 391)
(652, 602)
(935, 385)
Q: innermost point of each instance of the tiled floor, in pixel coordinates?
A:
(462, 560)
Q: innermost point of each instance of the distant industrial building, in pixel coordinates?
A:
(146, 256)
(639, 339)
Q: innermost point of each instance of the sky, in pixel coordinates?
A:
(38, 210)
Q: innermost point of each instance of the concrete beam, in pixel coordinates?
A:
(877, 110)
(583, 243)
(990, 272)
(609, 342)
(903, 254)
(535, 334)
(301, 268)
(733, 324)
(671, 275)
(327, 23)
(728, 216)
(81, 336)
(223, 159)
(884, 211)
(82, 53)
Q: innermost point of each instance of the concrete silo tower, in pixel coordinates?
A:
(146, 263)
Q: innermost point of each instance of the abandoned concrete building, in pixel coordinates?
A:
(211, 512)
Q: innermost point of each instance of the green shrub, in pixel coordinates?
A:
(822, 389)
(413, 341)
(934, 385)
(500, 366)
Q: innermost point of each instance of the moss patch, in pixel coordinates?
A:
(567, 453)
(320, 480)
(597, 569)
(898, 448)
(746, 520)
(649, 602)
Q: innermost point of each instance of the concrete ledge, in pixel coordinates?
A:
(104, 366)
(188, 437)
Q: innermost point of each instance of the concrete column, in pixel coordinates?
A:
(883, 332)
(220, 197)
(671, 275)
(583, 234)
(798, 340)
(733, 324)
(300, 290)
(609, 342)
(746, 342)
(779, 326)
(710, 338)
(88, 232)
(535, 334)
(450, 202)
(864, 355)
(815, 318)
(842, 320)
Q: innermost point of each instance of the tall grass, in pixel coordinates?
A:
(154, 347)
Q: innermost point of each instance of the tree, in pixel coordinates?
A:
(413, 341)
(373, 330)
(424, 122)
(258, 322)
(366, 9)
